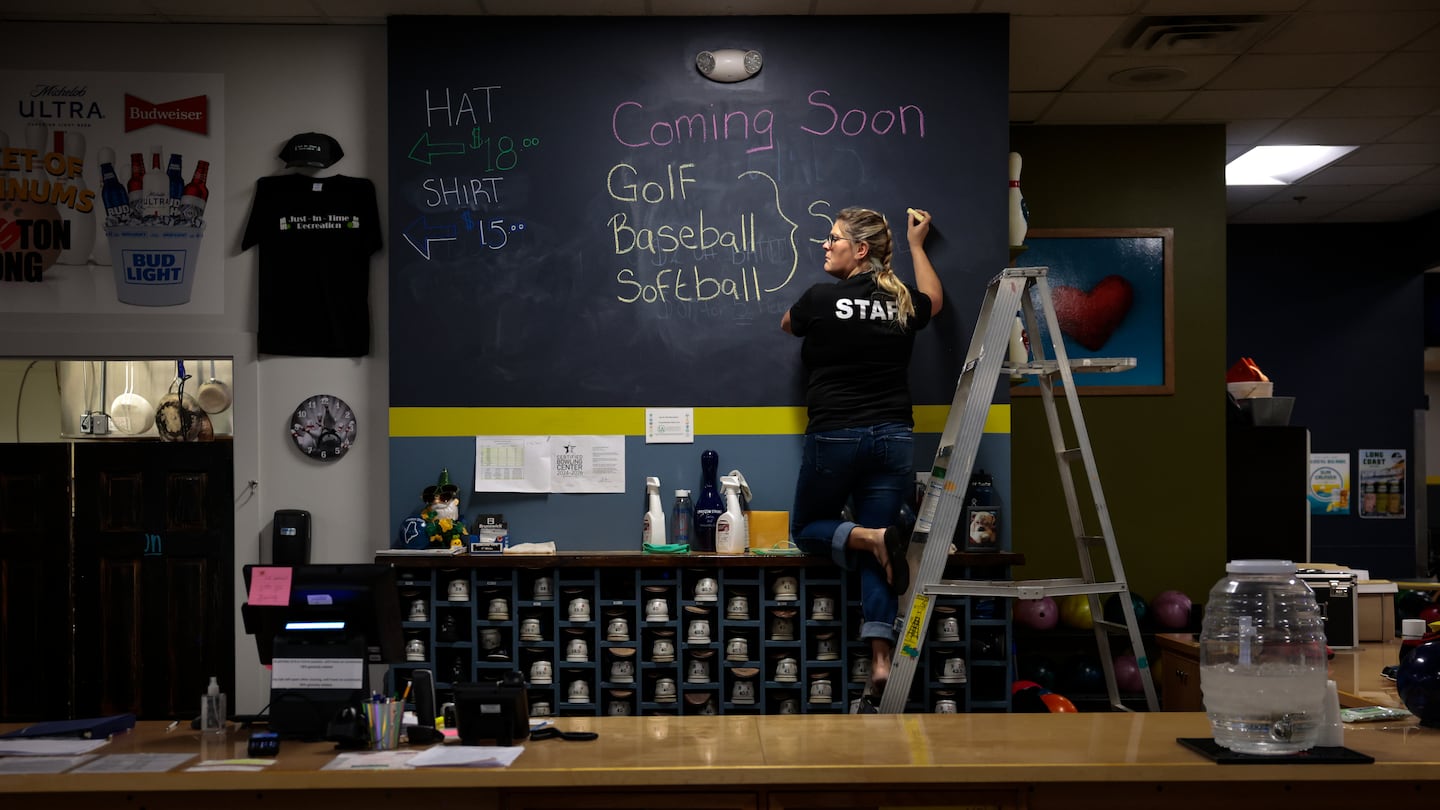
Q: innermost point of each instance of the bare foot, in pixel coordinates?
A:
(879, 670)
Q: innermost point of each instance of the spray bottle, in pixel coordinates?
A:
(653, 533)
(732, 535)
(212, 709)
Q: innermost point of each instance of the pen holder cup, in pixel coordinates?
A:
(384, 720)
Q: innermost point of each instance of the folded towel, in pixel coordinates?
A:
(547, 547)
(666, 548)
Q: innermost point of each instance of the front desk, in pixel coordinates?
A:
(790, 762)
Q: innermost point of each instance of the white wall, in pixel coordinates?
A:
(278, 80)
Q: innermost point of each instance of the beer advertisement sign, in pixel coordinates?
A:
(107, 184)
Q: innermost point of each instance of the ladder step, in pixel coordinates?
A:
(1077, 365)
(1092, 539)
(1070, 454)
(1114, 627)
(1021, 588)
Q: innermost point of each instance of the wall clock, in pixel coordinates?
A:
(323, 427)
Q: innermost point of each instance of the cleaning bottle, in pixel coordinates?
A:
(212, 709)
(653, 533)
(732, 536)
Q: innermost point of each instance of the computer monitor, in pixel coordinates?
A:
(337, 621)
(330, 603)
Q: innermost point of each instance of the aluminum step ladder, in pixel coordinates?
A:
(1006, 295)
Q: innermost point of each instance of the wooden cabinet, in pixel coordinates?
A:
(653, 640)
(1179, 673)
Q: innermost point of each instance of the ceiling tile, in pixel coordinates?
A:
(1276, 70)
(612, 8)
(1364, 175)
(1346, 33)
(1402, 69)
(1368, 5)
(1319, 193)
(1334, 131)
(1025, 107)
(60, 9)
(1250, 130)
(380, 9)
(1428, 41)
(1227, 105)
(1046, 52)
(1246, 196)
(868, 6)
(1357, 102)
(1112, 108)
(1220, 6)
(1425, 129)
(1376, 211)
(182, 10)
(1411, 192)
(1053, 8)
(1393, 154)
(1430, 178)
(1197, 70)
(1287, 211)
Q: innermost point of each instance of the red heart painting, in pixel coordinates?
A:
(1091, 317)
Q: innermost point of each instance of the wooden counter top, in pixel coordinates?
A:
(773, 751)
(635, 559)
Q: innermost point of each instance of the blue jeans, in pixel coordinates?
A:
(872, 469)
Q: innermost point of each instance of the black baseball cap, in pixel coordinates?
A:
(313, 149)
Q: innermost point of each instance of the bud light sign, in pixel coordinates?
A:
(154, 266)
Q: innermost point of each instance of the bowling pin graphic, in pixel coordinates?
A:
(1019, 215)
(37, 140)
(82, 223)
(45, 242)
(100, 254)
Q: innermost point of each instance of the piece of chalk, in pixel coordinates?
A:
(916, 215)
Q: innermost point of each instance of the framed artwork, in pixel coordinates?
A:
(1113, 293)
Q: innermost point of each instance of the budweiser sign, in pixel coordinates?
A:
(190, 114)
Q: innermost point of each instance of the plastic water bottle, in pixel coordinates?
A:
(1262, 660)
(682, 519)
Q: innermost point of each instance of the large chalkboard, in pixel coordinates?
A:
(579, 218)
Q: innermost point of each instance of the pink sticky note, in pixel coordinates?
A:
(270, 586)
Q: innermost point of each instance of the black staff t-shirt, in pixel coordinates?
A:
(856, 355)
(316, 237)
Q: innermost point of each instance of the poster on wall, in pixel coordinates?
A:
(1329, 484)
(107, 184)
(1382, 483)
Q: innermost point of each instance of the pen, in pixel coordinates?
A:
(171, 727)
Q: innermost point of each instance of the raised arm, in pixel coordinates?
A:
(926, 280)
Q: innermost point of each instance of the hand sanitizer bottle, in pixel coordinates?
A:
(732, 536)
(212, 709)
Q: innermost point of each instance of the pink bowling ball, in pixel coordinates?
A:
(1171, 610)
(1038, 614)
(1127, 674)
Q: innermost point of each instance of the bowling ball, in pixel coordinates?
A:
(1075, 612)
(1115, 611)
(1037, 614)
(1083, 675)
(1127, 674)
(1418, 683)
(1430, 614)
(1041, 670)
(1025, 697)
(1171, 610)
(1057, 704)
(1408, 604)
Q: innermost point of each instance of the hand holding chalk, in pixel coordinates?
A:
(916, 215)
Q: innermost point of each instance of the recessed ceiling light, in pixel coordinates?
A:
(1280, 165)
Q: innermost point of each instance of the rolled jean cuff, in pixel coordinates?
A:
(838, 551)
(869, 630)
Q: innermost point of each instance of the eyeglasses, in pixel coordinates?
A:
(831, 239)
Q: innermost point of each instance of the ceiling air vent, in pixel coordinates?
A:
(1193, 34)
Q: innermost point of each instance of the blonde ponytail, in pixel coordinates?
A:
(873, 229)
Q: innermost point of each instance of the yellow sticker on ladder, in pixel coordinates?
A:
(914, 625)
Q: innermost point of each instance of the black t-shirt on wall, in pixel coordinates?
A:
(316, 237)
(856, 356)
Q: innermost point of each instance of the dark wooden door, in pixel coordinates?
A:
(154, 583)
(34, 582)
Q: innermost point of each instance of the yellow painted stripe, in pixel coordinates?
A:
(1432, 480)
(418, 422)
